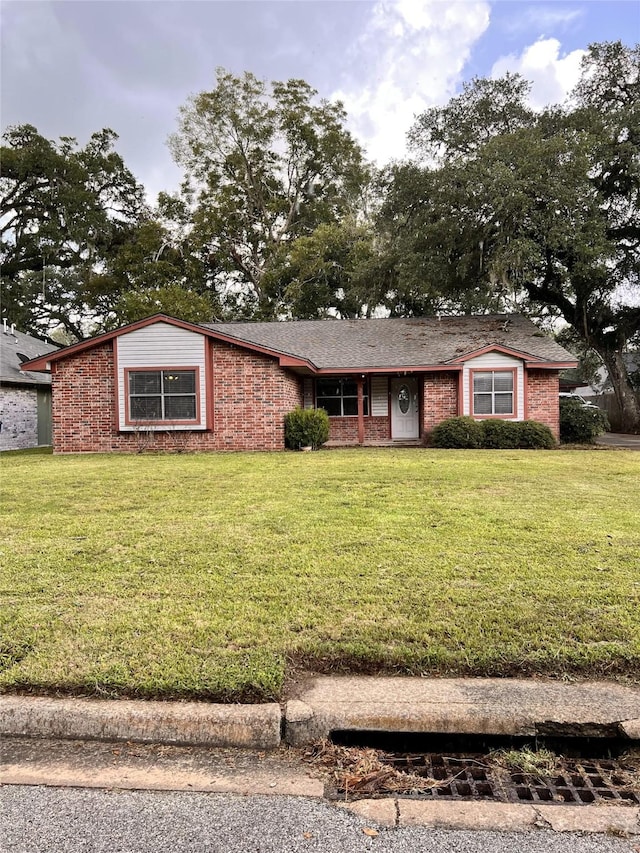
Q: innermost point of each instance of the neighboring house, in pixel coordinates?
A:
(601, 383)
(601, 392)
(168, 384)
(25, 397)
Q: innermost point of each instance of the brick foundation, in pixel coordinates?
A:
(251, 395)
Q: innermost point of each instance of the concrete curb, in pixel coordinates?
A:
(484, 706)
(448, 706)
(153, 767)
(502, 817)
(184, 723)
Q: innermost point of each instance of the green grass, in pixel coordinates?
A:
(213, 576)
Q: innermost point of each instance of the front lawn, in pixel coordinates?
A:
(213, 575)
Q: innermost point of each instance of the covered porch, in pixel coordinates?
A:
(383, 409)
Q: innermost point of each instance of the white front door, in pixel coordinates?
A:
(405, 409)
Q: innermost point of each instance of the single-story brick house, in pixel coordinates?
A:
(168, 384)
(25, 396)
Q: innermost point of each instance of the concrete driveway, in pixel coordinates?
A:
(618, 439)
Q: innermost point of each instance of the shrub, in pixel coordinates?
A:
(499, 434)
(464, 432)
(534, 435)
(306, 428)
(460, 432)
(580, 423)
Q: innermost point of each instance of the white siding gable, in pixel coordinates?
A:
(156, 346)
(493, 361)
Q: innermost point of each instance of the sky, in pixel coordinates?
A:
(72, 68)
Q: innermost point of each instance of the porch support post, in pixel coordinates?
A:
(360, 410)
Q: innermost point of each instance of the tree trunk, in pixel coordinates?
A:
(628, 400)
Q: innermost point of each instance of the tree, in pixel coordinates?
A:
(63, 210)
(151, 271)
(538, 210)
(173, 299)
(589, 362)
(264, 166)
(431, 231)
(336, 271)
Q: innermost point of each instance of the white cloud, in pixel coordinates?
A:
(551, 75)
(412, 55)
(542, 18)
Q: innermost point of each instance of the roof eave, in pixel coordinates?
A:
(552, 365)
(25, 381)
(285, 359)
(389, 368)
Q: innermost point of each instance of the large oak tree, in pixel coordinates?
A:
(63, 210)
(507, 207)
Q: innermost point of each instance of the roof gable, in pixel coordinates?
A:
(497, 348)
(44, 362)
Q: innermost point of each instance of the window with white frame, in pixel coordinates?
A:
(339, 396)
(162, 395)
(493, 392)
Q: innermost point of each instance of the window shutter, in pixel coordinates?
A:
(380, 396)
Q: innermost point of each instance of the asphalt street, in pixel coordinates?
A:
(77, 820)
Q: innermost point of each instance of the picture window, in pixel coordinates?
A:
(162, 395)
(339, 397)
(493, 392)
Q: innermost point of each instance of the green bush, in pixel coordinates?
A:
(460, 432)
(499, 434)
(533, 435)
(579, 423)
(464, 432)
(306, 428)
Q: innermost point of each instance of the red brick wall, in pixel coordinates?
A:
(346, 429)
(543, 400)
(439, 399)
(83, 398)
(251, 395)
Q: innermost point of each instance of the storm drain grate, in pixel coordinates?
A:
(473, 778)
(483, 777)
(595, 782)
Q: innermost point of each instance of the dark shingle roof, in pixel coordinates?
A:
(396, 343)
(18, 342)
